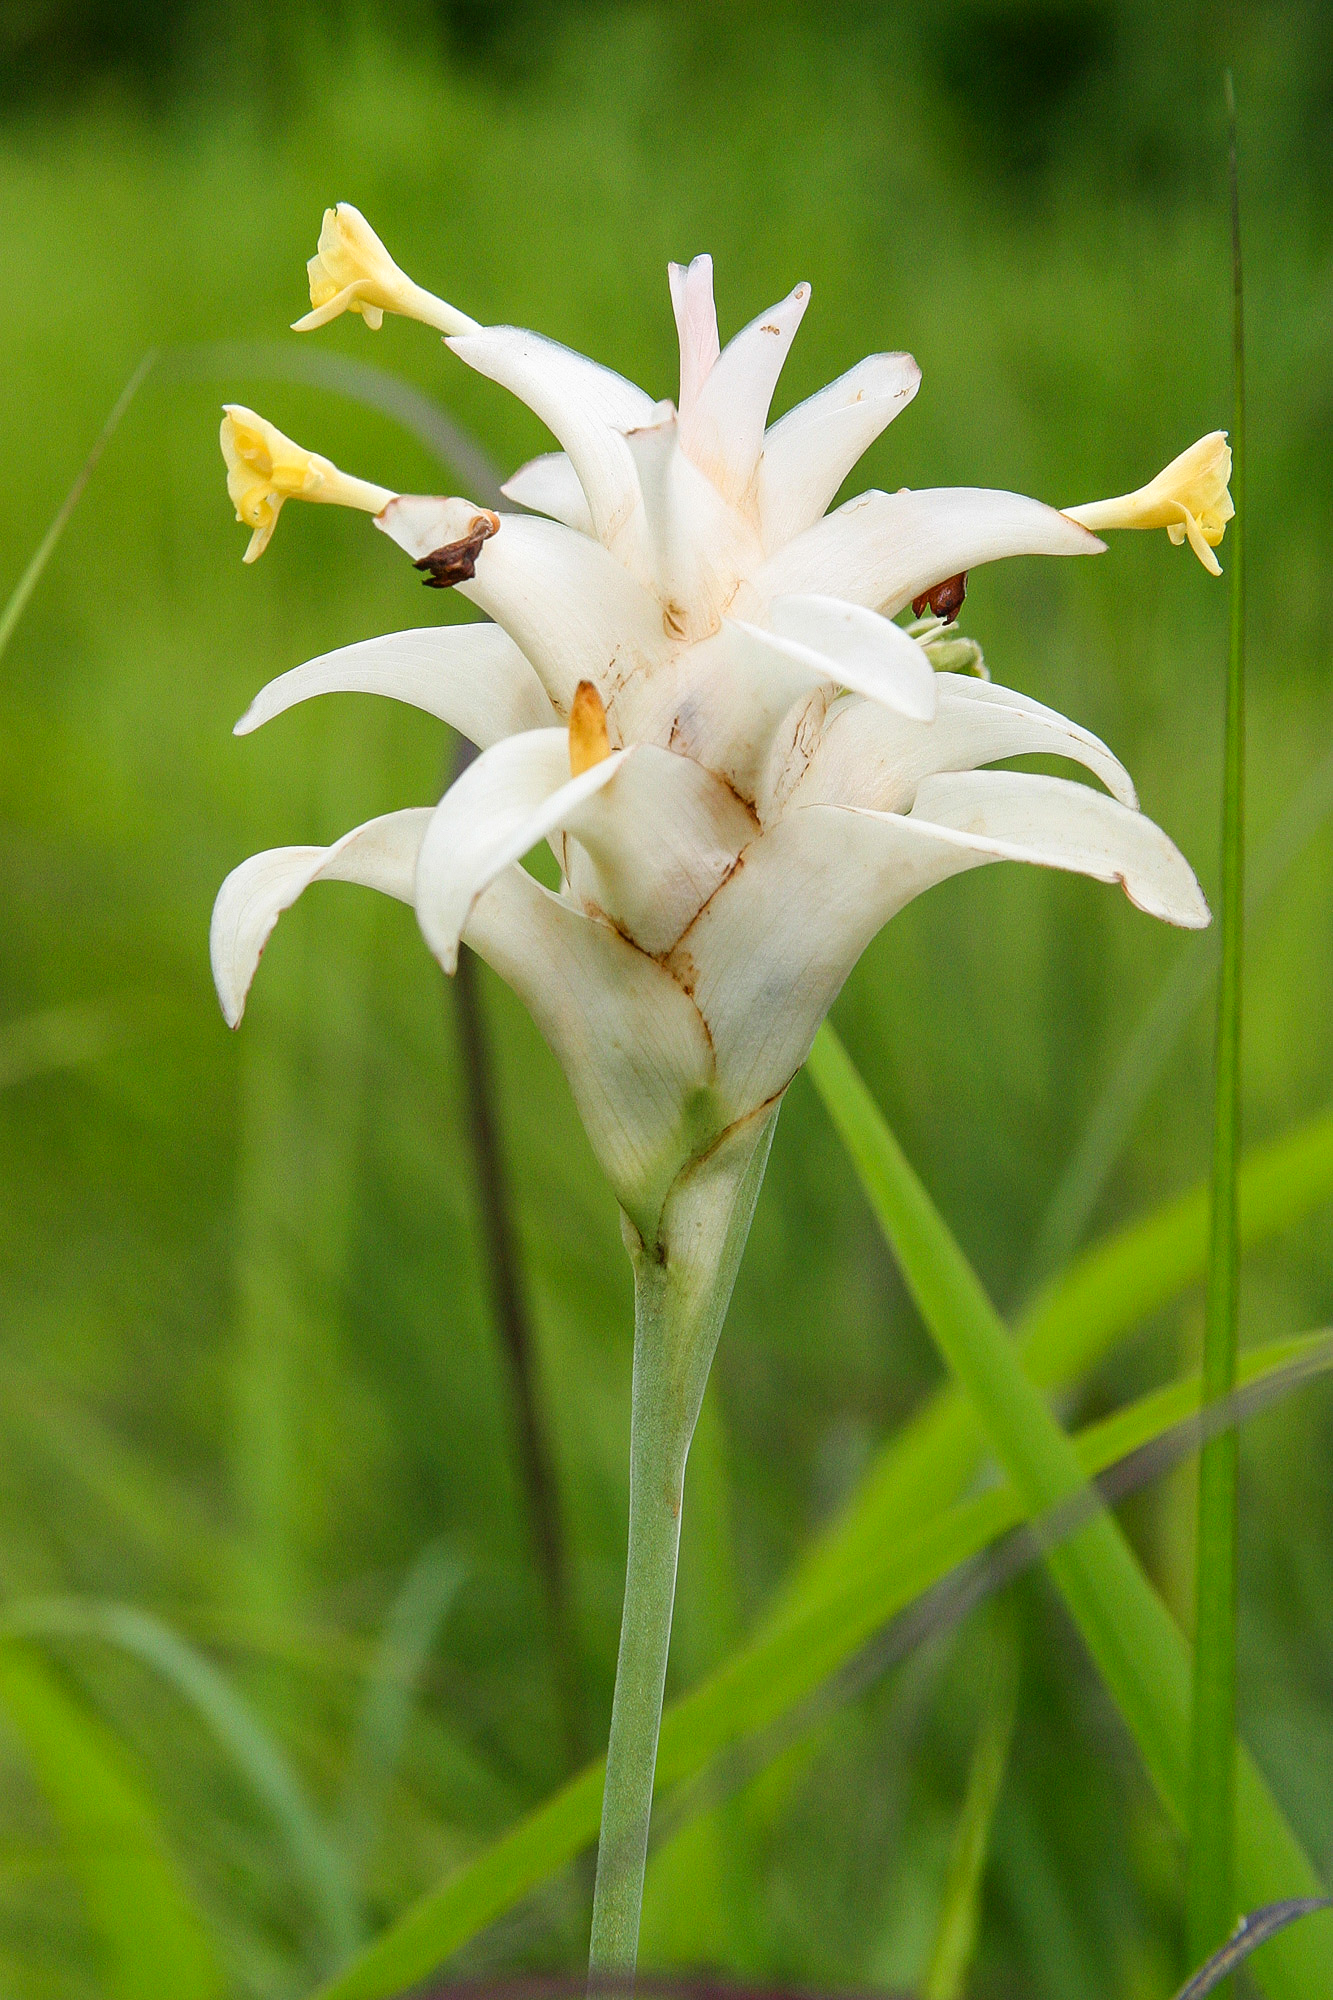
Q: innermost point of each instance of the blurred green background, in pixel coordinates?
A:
(250, 1376)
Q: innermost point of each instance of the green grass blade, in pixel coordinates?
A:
(1210, 1898)
(1074, 1324)
(410, 1631)
(154, 1942)
(780, 1667)
(1131, 1636)
(316, 1861)
(17, 602)
(959, 1921)
(1145, 1055)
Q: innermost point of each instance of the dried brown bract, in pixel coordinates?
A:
(944, 599)
(456, 562)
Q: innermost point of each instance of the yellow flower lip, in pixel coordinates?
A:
(351, 271)
(1189, 498)
(265, 468)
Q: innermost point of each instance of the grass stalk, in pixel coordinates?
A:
(951, 1956)
(17, 602)
(1145, 1057)
(1131, 1636)
(1211, 1905)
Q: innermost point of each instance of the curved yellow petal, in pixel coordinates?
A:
(1190, 498)
(265, 468)
(351, 271)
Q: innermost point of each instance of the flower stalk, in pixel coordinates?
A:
(682, 1287)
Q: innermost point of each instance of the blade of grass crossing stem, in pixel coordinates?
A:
(959, 1922)
(1073, 1325)
(154, 1944)
(1210, 1899)
(1133, 1640)
(18, 597)
(778, 1668)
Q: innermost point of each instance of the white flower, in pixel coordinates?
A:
(694, 690)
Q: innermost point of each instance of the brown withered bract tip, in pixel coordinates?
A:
(944, 599)
(456, 562)
(588, 740)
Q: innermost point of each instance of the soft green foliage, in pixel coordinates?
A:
(249, 1370)
(152, 1943)
(776, 1674)
(1129, 1632)
(317, 1863)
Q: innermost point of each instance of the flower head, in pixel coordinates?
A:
(351, 271)
(264, 468)
(694, 689)
(1189, 497)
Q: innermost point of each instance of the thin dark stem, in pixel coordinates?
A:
(509, 1302)
(1210, 1891)
(456, 448)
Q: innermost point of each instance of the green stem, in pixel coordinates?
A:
(682, 1287)
(1210, 1902)
(660, 1431)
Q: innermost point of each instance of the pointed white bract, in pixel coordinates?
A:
(693, 690)
(471, 676)
(550, 485)
(809, 452)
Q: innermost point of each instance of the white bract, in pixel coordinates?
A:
(694, 690)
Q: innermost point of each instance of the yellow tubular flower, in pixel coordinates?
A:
(1188, 498)
(351, 271)
(264, 468)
